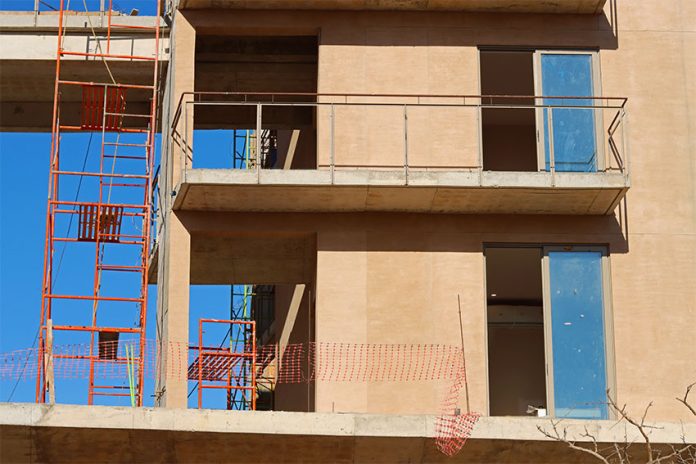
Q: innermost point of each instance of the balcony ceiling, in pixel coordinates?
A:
(510, 6)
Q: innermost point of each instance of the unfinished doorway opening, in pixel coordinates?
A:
(508, 133)
(265, 278)
(264, 69)
(516, 353)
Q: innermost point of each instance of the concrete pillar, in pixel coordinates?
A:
(173, 311)
(175, 240)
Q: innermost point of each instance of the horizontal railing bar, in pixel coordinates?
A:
(108, 55)
(142, 158)
(94, 298)
(122, 130)
(84, 328)
(128, 26)
(225, 387)
(86, 203)
(99, 84)
(223, 354)
(621, 101)
(99, 174)
(129, 115)
(117, 360)
(116, 267)
(117, 144)
(73, 211)
(103, 241)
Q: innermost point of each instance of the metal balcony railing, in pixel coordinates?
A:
(408, 133)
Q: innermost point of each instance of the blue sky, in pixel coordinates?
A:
(143, 6)
(23, 193)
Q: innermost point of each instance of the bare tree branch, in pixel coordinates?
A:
(639, 425)
(685, 400)
(564, 439)
(675, 452)
(619, 452)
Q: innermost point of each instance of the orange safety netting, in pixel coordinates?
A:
(294, 363)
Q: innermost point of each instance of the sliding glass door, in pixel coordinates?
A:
(576, 334)
(569, 142)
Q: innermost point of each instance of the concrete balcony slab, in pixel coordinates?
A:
(28, 64)
(508, 6)
(395, 190)
(66, 433)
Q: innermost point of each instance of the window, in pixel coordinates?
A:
(552, 132)
(548, 331)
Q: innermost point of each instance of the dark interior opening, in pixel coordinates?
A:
(257, 66)
(508, 134)
(516, 359)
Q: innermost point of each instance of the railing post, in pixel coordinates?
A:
(185, 152)
(258, 142)
(405, 145)
(552, 160)
(479, 133)
(101, 13)
(332, 153)
(624, 143)
(36, 12)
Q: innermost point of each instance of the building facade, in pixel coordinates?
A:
(420, 159)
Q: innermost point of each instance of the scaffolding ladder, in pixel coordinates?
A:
(111, 240)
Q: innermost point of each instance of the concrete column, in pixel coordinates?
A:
(173, 311)
(175, 240)
(183, 66)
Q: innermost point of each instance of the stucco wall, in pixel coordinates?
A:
(395, 278)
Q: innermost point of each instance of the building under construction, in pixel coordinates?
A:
(360, 231)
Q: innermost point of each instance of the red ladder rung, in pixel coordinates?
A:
(108, 55)
(126, 157)
(129, 26)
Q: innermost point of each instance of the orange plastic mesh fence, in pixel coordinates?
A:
(295, 363)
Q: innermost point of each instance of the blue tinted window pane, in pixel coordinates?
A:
(577, 333)
(574, 143)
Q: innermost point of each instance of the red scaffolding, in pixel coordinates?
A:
(114, 230)
(230, 368)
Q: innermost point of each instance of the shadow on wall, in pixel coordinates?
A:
(412, 30)
(410, 232)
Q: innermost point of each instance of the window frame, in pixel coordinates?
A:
(607, 312)
(539, 94)
(608, 317)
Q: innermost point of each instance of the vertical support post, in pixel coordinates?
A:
(257, 154)
(108, 29)
(36, 12)
(552, 160)
(405, 145)
(49, 362)
(253, 365)
(332, 153)
(200, 364)
(101, 12)
(624, 143)
(185, 161)
(479, 132)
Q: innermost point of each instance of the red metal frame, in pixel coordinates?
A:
(100, 221)
(216, 364)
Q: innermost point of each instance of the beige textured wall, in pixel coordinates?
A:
(394, 278)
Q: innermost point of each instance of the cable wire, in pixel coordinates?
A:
(60, 262)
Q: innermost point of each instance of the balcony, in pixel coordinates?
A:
(508, 6)
(421, 154)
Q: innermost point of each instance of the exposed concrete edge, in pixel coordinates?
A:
(24, 22)
(322, 424)
(564, 7)
(396, 177)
